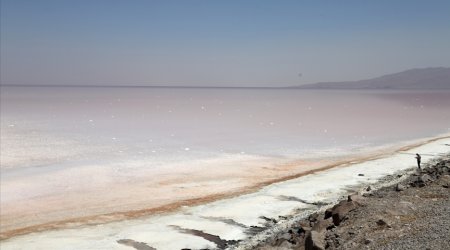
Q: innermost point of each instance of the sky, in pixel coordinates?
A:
(218, 43)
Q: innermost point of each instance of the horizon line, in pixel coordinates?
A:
(141, 86)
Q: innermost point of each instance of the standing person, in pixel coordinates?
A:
(418, 160)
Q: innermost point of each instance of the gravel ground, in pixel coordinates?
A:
(412, 214)
(416, 218)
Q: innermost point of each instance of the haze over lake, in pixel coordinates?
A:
(147, 125)
(78, 143)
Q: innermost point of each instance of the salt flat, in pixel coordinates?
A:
(229, 219)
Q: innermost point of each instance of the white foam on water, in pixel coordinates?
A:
(229, 218)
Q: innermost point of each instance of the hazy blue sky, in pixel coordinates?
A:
(263, 43)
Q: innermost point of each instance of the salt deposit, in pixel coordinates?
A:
(230, 218)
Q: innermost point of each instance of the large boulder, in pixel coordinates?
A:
(328, 213)
(340, 211)
(421, 181)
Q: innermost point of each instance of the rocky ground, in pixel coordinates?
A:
(412, 214)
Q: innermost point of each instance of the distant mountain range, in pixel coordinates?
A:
(426, 78)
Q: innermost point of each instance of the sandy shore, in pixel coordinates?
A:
(409, 212)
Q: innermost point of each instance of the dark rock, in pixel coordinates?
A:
(270, 220)
(301, 231)
(382, 222)
(328, 213)
(360, 174)
(314, 241)
(340, 211)
(367, 241)
(419, 181)
(369, 188)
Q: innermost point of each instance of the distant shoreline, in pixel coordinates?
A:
(134, 86)
(414, 79)
(300, 87)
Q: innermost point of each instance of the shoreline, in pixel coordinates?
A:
(225, 208)
(386, 215)
(175, 206)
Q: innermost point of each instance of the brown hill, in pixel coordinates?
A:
(426, 78)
